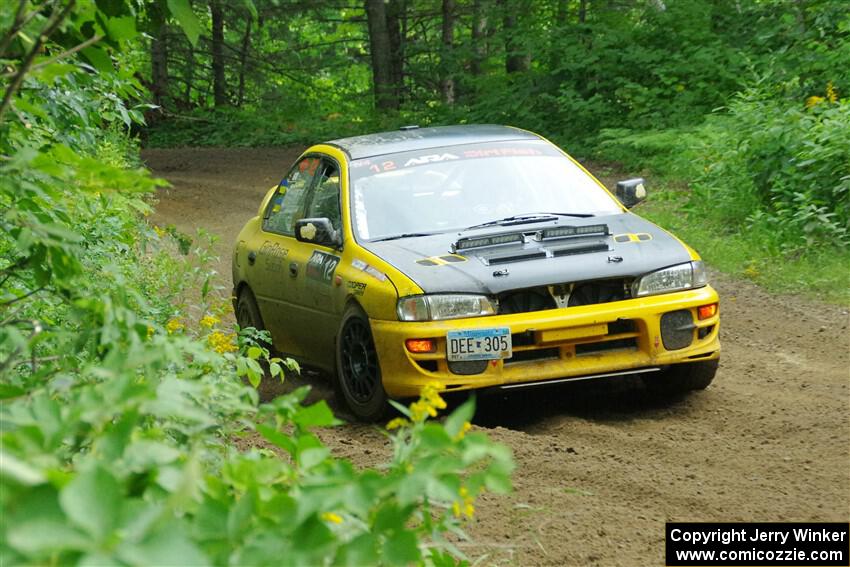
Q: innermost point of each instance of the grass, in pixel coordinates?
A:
(821, 273)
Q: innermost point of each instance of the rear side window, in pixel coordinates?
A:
(288, 203)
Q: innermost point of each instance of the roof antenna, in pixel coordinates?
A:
(410, 127)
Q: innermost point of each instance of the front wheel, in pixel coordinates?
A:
(681, 378)
(357, 367)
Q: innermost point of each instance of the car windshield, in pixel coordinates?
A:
(458, 187)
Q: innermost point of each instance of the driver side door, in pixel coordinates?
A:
(319, 295)
(280, 259)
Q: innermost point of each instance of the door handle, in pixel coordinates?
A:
(252, 257)
(293, 269)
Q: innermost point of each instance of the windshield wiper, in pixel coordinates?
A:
(402, 235)
(527, 218)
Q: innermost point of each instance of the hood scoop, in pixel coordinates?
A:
(511, 257)
(579, 248)
(522, 255)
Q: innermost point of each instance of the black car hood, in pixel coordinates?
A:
(632, 247)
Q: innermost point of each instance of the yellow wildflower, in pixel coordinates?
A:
(209, 321)
(397, 422)
(464, 428)
(173, 326)
(831, 93)
(431, 394)
(222, 343)
(419, 411)
(332, 518)
(159, 232)
(429, 402)
(464, 504)
(813, 101)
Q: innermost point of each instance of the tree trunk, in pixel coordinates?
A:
(190, 77)
(560, 27)
(582, 11)
(515, 60)
(379, 46)
(159, 55)
(479, 36)
(447, 81)
(219, 86)
(243, 58)
(396, 11)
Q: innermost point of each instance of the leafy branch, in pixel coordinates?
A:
(57, 16)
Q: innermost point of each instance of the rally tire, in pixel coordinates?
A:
(358, 372)
(681, 378)
(247, 311)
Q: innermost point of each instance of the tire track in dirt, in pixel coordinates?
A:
(602, 466)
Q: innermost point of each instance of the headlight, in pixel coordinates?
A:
(446, 306)
(674, 278)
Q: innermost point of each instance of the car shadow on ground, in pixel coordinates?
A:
(618, 399)
(522, 409)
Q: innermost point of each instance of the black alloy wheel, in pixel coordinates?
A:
(358, 370)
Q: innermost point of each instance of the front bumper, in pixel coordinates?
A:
(569, 342)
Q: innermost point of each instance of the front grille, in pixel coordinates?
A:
(532, 355)
(622, 334)
(522, 339)
(622, 326)
(564, 295)
(593, 348)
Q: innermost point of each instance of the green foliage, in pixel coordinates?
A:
(127, 434)
(765, 165)
(784, 168)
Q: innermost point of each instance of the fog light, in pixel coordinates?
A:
(420, 345)
(677, 329)
(706, 311)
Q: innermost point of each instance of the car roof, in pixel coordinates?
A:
(415, 138)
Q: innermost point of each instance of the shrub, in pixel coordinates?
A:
(778, 167)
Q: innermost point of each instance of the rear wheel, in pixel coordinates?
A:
(681, 378)
(357, 367)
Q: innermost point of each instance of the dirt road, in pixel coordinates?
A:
(602, 466)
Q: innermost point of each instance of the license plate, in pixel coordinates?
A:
(479, 344)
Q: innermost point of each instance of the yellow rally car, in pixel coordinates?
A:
(474, 256)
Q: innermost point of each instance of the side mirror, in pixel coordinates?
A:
(631, 191)
(317, 231)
